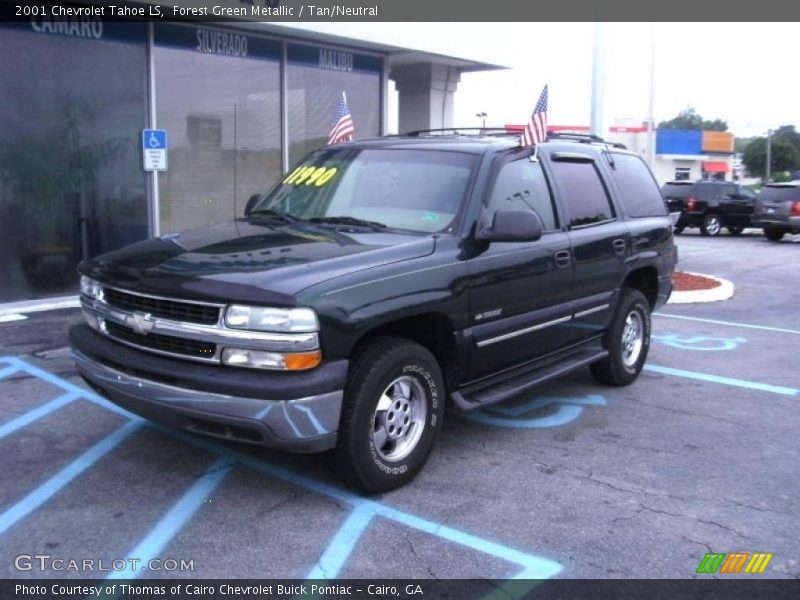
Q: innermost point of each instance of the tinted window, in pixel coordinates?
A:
(584, 193)
(521, 185)
(637, 188)
(746, 193)
(780, 193)
(677, 190)
(707, 191)
(420, 190)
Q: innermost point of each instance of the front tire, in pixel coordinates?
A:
(711, 225)
(392, 414)
(627, 341)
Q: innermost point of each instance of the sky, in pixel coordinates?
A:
(724, 70)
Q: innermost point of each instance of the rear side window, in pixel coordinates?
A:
(781, 193)
(637, 189)
(677, 190)
(585, 196)
(707, 191)
(521, 185)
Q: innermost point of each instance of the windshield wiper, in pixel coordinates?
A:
(268, 212)
(374, 225)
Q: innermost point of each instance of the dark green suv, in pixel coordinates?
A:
(378, 281)
(710, 205)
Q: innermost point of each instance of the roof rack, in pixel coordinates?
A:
(476, 131)
(584, 138)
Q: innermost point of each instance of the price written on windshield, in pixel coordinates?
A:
(317, 176)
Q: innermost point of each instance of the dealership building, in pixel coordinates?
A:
(239, 103)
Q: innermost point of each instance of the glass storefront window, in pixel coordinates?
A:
(71, 178)
(218, 97)
(316, 78)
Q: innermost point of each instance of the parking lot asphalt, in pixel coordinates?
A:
(576, 480)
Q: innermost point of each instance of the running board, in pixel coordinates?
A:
(483, 394)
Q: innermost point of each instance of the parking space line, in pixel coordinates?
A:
(36, 413)
(342, 545)
(742, 383)
(171, 523)
(730, 323)
(57, 482)
(533, 565)
(8, 371)
(543, 568)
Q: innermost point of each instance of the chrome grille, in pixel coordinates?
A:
(162, 343)
(174, 310)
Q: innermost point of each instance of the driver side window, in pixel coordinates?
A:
(521, 185)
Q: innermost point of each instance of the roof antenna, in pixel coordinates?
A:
(609, 156)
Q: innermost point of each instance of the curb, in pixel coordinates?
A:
(723, 291)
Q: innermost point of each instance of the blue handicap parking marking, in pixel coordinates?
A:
(509, 414)
(175, 518)
(699, 342)
(333, 558)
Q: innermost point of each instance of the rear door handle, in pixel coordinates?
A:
(563, 258)
(619, 246)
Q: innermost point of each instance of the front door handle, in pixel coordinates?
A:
(563, 258)
(619, 246)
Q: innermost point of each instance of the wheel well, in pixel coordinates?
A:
(432, 330)
(646, 281)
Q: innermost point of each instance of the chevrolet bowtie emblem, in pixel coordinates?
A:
(141, 323)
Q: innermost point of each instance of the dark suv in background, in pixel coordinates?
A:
(778, 209)
(378, 280)
(710, 205)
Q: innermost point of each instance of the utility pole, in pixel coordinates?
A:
(482, 115)
(769, 155)
(651, 124)
(598, 82)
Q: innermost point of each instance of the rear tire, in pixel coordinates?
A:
(627, 341)
(392, 414)
(774, 234)
(711, 225)
(735, 230)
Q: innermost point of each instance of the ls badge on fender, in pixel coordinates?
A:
(489, 314)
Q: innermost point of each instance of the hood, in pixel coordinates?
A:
(250, 260)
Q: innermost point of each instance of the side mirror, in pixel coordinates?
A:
(511, 226)
(251, 202)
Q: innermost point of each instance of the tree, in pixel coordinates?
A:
(689, 119)
(783, 156)
(788, 134)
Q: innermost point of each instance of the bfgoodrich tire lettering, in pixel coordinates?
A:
(392, 414)
(627, 341)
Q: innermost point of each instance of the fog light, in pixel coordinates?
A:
(260, 359)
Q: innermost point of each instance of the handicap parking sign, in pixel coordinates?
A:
(154, 149)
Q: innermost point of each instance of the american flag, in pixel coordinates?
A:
(536, 129)
(342, 127)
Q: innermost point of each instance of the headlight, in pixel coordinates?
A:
(256, 318)
(91, 288)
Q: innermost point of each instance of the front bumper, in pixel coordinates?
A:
(307, 423)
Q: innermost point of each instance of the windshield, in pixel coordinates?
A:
(417, 190)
